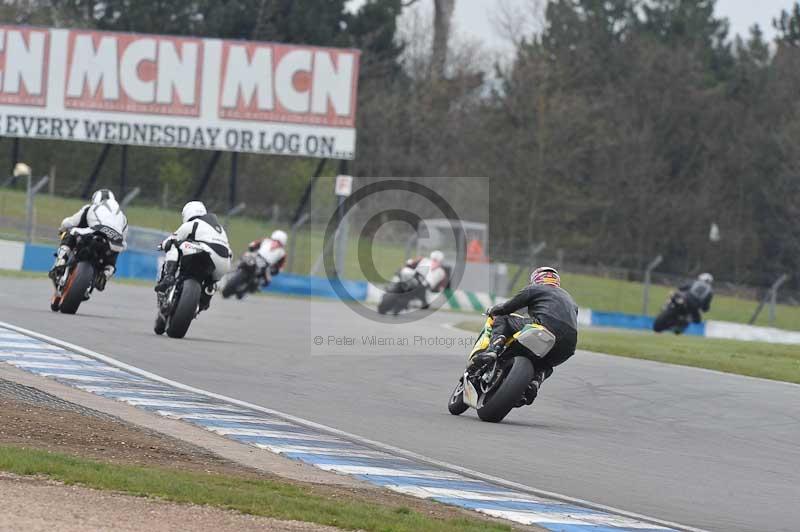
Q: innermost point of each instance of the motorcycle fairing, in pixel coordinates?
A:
(470, 394)
(536, 338)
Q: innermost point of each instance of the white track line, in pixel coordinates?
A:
(352, 437)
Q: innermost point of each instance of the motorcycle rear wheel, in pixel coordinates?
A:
(503, 399)
(185, 310)
(78, 282)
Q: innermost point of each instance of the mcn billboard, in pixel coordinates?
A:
(183, 92)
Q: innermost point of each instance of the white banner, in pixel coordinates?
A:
(179, 92)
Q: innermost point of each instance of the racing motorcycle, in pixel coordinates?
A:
(404, 287)
(674, 314)
(84, 267)
(181, 303)
(496, 388)
(247, 277)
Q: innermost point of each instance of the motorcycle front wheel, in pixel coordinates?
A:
(232, 284)
(500, 401)
(185, 310)
(665, 320)
(456, 405)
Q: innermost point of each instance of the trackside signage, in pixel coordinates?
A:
(178, 92)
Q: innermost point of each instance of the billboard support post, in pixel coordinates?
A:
(98, 165)
(201, 186)
(232, 179)
(32, 190)
(123, 171)
(14, 152)
(647, 271)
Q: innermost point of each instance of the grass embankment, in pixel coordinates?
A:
(251, 496)
(591, 292)
(756, 359)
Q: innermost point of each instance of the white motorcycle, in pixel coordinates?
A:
(181, 303)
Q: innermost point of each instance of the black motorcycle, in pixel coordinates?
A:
(181, 303)
(83, 271)
(675, 314)
(247, 278)
(404, 287)
(496, 388)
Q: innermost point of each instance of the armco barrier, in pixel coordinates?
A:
(633, 321)
(303, 285)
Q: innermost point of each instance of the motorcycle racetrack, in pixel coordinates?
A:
(704, 449)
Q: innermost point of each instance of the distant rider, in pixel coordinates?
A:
(548, 305)
(698, 295)
(200, 226)
(431, 273)
(102, 211)
(273, 251)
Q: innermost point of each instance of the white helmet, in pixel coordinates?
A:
(102, 195)
(437, 256)
(192, 210)
(706, 278)
(279, 236)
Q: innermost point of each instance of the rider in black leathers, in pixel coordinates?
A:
(698, 295)
(549, 305)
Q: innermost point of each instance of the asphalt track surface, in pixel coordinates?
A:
(708, 450)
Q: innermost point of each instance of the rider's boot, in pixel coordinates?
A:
(533, 387)
(104, 276)
(496, 347)
(61, 261)
(205, 296)
(167, 276)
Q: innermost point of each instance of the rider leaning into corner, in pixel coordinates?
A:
(273, 251)
(103, 210)
(431, 272)
(200, 226)
(698, 295)
(548, 305)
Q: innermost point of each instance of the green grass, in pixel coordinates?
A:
(757, 359)
(590, 292)
(251, 496)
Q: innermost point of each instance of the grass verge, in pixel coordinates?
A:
(250, 496)
(756, 359)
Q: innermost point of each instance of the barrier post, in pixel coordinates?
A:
(646, 296)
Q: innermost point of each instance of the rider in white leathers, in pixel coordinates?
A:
(431, 272)
(273, 251)
(198, 226)
(102, 211)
